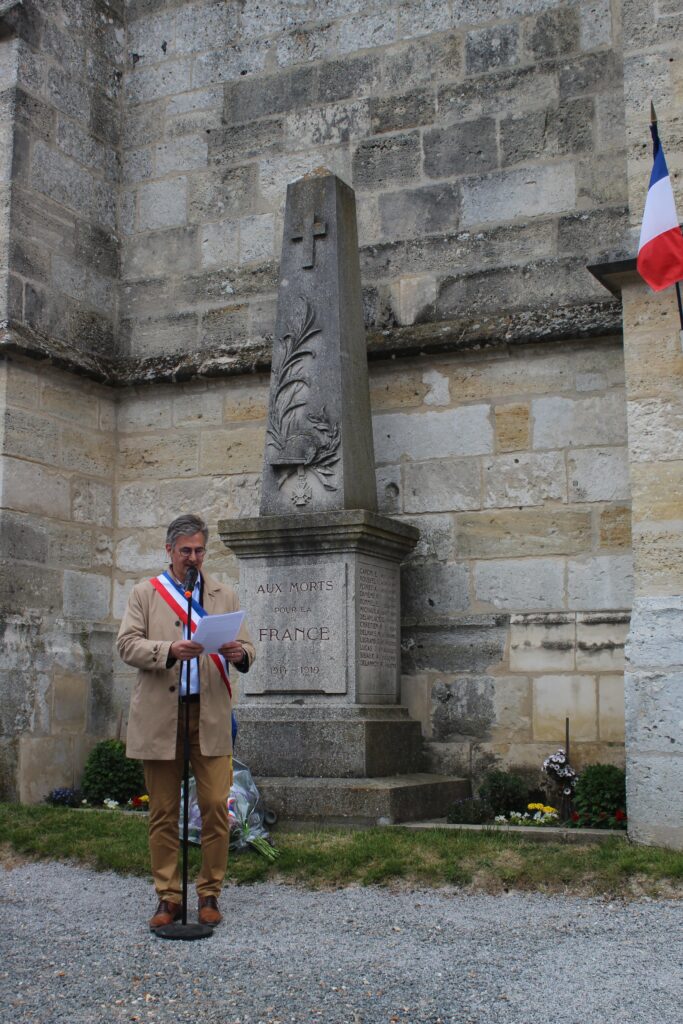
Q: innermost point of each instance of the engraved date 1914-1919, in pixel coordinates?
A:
(304, 670)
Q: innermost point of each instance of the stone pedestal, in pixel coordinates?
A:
(320, 723)
(333, 740)
(322, 594)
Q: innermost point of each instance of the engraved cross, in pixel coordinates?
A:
(312, 229)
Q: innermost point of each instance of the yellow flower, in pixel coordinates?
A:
(549, 810)
(535, 807)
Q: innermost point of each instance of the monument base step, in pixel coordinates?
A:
(356, 741)
(387, 800)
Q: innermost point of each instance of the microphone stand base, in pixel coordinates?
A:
(188, 932)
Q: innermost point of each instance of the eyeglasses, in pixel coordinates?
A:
(186, 552)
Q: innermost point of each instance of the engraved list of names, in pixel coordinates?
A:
(378, 628)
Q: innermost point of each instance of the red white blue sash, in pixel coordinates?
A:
(174, 596)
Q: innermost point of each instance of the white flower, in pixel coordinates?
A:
(111, 804)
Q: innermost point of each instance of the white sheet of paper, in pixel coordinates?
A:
(215, 630)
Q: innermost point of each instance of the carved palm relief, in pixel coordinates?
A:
(301, 440)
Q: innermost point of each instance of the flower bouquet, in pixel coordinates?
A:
(138, 803)
(535, 814)
(246, 828)
(245, 808)
(245, 813)
(558, 768)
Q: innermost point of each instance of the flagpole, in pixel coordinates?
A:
(653, 121)
(660, 250)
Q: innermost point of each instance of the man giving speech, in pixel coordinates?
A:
(155, 637)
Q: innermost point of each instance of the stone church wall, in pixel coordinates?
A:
(140, 232)
(64, 58)
(487, 156)
(516, 601)
(56, 533)
(59, 75)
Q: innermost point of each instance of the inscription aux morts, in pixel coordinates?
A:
(294, 632)
(295, 587)
(298, 616)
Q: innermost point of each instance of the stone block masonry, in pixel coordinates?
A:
(64, 65)
(165, 135)
(516, 603)
(57, 519)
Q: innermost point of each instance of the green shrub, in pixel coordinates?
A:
(469, 812)
(504, 792)
(109, 774)
(600, 797)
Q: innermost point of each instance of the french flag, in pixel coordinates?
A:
(660, 253)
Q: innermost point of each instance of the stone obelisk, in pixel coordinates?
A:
(319, 453)
(320, 720)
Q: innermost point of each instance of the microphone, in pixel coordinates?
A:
(190, 580)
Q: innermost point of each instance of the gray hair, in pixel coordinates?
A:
(186, 526)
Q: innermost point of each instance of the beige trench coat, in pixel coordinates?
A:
(148, 629)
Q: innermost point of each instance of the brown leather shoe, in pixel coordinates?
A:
(208, 912)
(166, 913)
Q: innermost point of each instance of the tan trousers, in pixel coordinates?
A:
(163, 780)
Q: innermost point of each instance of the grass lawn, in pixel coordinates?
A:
(486, 861)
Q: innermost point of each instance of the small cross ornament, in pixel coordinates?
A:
(311, 230)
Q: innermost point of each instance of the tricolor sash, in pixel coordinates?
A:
(174, 596)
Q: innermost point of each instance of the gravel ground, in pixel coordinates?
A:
(75, 948)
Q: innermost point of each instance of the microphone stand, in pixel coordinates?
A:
(182, 929)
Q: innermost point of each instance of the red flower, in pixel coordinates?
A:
(575, 815)
(620, 815)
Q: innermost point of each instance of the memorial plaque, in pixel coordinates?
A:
(378, 628)
(297, 617)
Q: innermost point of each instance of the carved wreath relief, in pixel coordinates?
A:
(301, 441)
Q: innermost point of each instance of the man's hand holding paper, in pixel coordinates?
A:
(232, 652)
(185, 650)
(218, 635)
